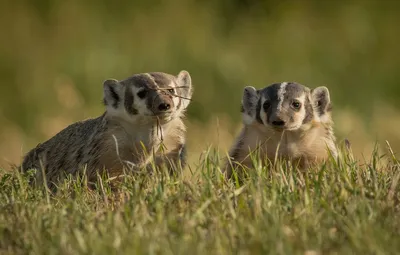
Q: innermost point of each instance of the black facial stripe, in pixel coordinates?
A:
(150, 99)
(129, 99)
(258, 111)
(309, 111)
(271, 92)
(271, 111)
(143, 81)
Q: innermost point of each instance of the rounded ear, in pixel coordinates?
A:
(249, 104)
(112, 92)
(185, 89)
(321, 100)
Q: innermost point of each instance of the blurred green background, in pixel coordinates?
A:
(54, 56)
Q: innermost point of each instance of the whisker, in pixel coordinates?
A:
(182, 97)
(179, 87)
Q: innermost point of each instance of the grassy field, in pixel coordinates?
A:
(56, 54)
(344, 207)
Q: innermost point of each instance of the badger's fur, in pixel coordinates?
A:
(143, 118)
(287, 121)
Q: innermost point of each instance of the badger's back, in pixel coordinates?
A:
(69, 150)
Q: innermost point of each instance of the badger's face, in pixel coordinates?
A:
(285, 106)
(149, 95)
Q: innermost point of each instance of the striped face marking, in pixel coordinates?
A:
(281, 95)
(153, 94)
(284, 106)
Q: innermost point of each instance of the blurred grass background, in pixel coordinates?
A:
(54, 56)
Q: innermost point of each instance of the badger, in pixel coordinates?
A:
(142, 127)
(286, 121)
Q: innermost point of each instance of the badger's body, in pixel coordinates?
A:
(143, 119)
(286, 121)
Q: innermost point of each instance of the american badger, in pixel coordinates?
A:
(284, 120)
(143, 118)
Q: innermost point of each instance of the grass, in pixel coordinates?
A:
(343, 207)
(58, 53)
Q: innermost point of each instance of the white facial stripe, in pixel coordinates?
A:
(172, 84)
(263, 99)
(301, 99)
(175, 99)
(302, 113)
(281, 95)
(137, 90)
(179, 103)
(299, 116)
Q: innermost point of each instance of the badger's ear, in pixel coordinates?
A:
(112, 93)
(321, 100)
(249, 104)
(184, 87)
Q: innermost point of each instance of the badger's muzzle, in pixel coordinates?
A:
(277, 119)
(161, 104)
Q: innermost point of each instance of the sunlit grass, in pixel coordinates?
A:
(56, 55)
(342, 207)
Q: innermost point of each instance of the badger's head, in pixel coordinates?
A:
(148, 96)
(285, 106)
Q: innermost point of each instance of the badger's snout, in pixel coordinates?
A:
(164, 106)
(162, 103)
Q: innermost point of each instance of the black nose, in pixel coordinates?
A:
(278, 123)
(164, 107)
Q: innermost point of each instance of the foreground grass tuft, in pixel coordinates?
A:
(343, 207)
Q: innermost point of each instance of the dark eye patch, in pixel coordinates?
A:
(172, 91)
(142, 94)
(266, 105)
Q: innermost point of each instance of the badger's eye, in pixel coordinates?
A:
(266, 105)
(141, 94)
(172, 91)
(296, 104)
